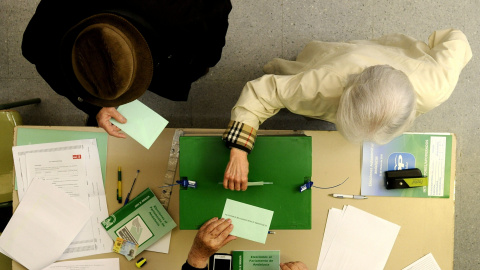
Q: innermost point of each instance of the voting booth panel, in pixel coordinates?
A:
(286, 161)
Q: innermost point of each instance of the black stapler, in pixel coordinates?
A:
(405, 179)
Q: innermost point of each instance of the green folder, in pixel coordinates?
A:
(284, 160)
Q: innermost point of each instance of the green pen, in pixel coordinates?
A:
(119, 187)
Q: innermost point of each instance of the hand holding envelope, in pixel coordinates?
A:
(250, 222)
(143, 124)
(213, 235)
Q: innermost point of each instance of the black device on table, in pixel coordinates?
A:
(220, 261)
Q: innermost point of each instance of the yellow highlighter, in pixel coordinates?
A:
(119, 187)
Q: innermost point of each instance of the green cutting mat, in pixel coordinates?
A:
(283, 160)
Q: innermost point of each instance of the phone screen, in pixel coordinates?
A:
(221, 264)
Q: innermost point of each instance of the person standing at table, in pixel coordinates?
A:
(372, 90)
(104, 53)
(212, 236)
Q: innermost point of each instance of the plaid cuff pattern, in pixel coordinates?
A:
(240, 135)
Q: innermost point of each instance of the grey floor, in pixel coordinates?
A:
(261, 30)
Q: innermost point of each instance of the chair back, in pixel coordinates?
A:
(9, 119)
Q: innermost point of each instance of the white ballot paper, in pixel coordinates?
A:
(427, 262)
(356, 240)
(333, 219)
(43, 225)
(98, 264)
(73, 167)
(162, 245)
(249, 221)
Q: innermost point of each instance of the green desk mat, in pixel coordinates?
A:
(283, 160)
(27, 135)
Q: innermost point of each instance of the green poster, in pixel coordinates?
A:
(431, 153)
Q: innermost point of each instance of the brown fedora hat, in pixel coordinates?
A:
(108, 60)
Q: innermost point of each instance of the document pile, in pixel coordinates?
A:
(355, 239)
(98, 264)
(62, 202)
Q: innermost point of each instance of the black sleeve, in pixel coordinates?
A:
(217, 26)
(59, 84)
(187, 266)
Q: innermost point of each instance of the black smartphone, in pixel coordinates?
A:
(220, 261)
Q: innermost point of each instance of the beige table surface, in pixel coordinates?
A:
(427, 224)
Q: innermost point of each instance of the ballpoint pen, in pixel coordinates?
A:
(128, 195)
(119, 187)
(250, 184)
(342, 196)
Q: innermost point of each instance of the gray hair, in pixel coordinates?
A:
(377, 105)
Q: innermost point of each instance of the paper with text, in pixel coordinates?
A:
(98, 264)
(358, 240)
(43, 225)
(73, 167)
(143, 124)
(249, 222)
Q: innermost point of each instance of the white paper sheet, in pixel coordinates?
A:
(43, 225)
(333, 219)
(359, 240)
(162, 245)
(74, 167)
(427, 262)
(99, 264)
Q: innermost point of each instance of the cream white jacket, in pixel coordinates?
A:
(312, 85)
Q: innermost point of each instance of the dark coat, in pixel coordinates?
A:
(185, 37)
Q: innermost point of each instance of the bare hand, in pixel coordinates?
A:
(293, 266)
(103, 117)
(212, 236)
(236, 173)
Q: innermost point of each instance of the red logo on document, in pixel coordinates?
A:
(77, 156)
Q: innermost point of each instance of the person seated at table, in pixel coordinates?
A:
(101, 54)
(372, 90)
(212, 236)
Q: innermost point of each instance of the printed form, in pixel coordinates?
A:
(74, 168)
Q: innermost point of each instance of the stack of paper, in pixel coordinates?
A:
(98, 264)
(72, 168)
(43, 226)
(355, 239)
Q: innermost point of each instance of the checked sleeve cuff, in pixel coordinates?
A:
(240, 135)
